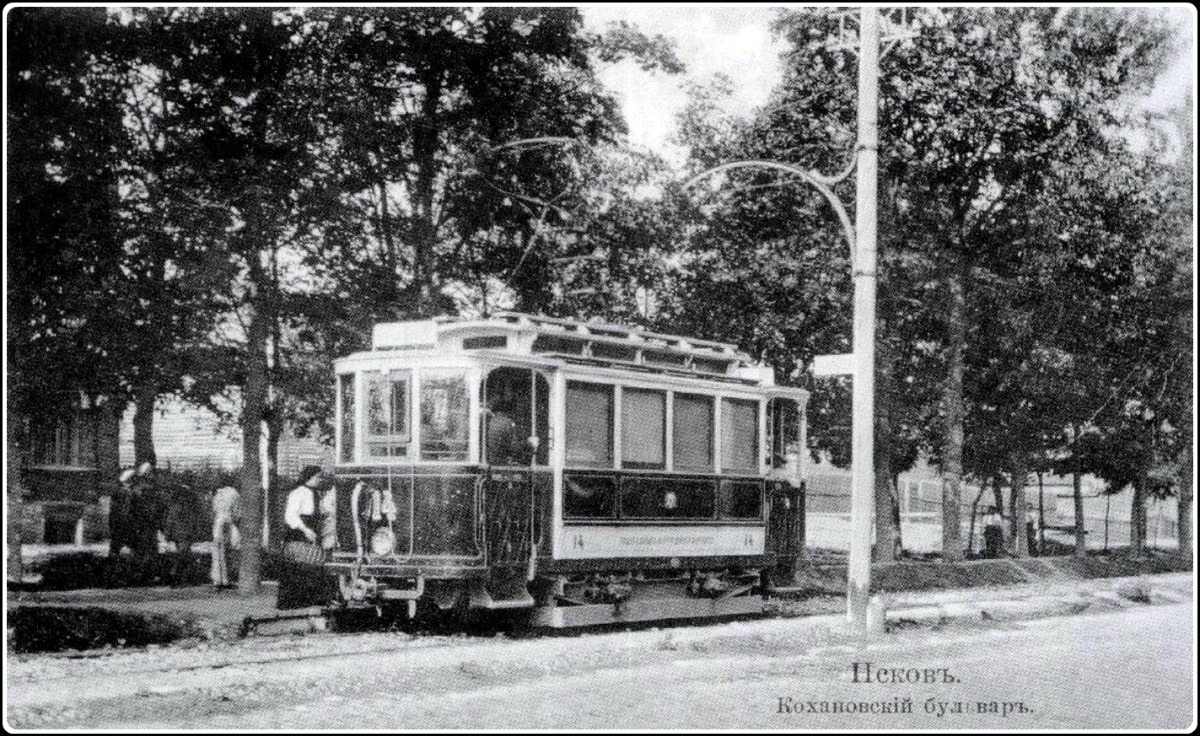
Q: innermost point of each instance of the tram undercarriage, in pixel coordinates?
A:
(564, 601)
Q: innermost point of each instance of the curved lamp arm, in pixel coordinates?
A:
(819, 182)
(545, 140)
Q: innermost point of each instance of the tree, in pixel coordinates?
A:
(980, 114)
(64, 303)
(232, 140)
(334, 153)
(988, 117)
(434, 213)
(420, 98)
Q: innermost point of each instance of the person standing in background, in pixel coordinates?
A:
(226, 513)
(144, 512)
(119, 514)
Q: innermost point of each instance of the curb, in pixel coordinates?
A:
(1007, 609)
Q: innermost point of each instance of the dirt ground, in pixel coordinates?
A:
(1121, 664)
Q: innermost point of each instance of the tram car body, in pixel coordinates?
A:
(584, 473)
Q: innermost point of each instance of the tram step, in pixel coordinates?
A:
(565, 617)
(505, 597)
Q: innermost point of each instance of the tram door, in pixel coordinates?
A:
(785, 490)
(516, 452)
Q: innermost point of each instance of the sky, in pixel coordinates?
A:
(737, 41)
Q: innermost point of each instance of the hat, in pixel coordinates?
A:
(316, 480)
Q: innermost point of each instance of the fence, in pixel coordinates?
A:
(1106, 516)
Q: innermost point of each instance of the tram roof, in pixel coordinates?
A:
(574, 341)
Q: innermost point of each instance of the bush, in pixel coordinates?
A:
(55, 628)
(85, 570)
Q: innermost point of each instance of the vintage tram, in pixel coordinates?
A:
(582, 473)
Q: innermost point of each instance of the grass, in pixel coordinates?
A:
(830, 578)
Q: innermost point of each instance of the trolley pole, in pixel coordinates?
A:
(862, 498)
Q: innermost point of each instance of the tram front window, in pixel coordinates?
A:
(387, 420)
(445, 416)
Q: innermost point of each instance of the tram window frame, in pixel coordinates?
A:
(783, 433)
(571, 429)
(387, 445)
(632, 425)
(347, 404)
(601, 491)
(535, 423)
(679, 432)
(672, 498)
(458, 448)
(736, 497)
(730, 433)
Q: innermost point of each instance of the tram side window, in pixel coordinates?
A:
(741, 499)
(692, 435)
(346, 392)
(589, 496)
(589, 425)
(445, 416)
(643, 429)
(388, 432)
(739, 436)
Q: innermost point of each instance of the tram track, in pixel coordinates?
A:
(305, 670)
(346, 643)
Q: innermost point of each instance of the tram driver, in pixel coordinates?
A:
(507, 412)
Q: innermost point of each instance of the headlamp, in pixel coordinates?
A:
(383, 542)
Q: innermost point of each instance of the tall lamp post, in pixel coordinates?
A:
(862, 468)
(862, 240)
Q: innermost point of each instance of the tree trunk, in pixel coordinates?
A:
(274, 433)
(425, 145)
(974, 511)
(145, 396)
(1005, 528)
(899, 546)
(1020, 510)
(274, 412)
(1183, 515)
(952, 399)
(1080, 531)
(15, 494)
(108, 460)
(1107, 507)
(1041, 528)
(1137, 519)
(254, 397)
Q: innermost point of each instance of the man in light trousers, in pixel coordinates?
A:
(226, 514)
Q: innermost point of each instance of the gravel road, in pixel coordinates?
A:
(1073, 671)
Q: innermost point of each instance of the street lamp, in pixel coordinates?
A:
(862, 240)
